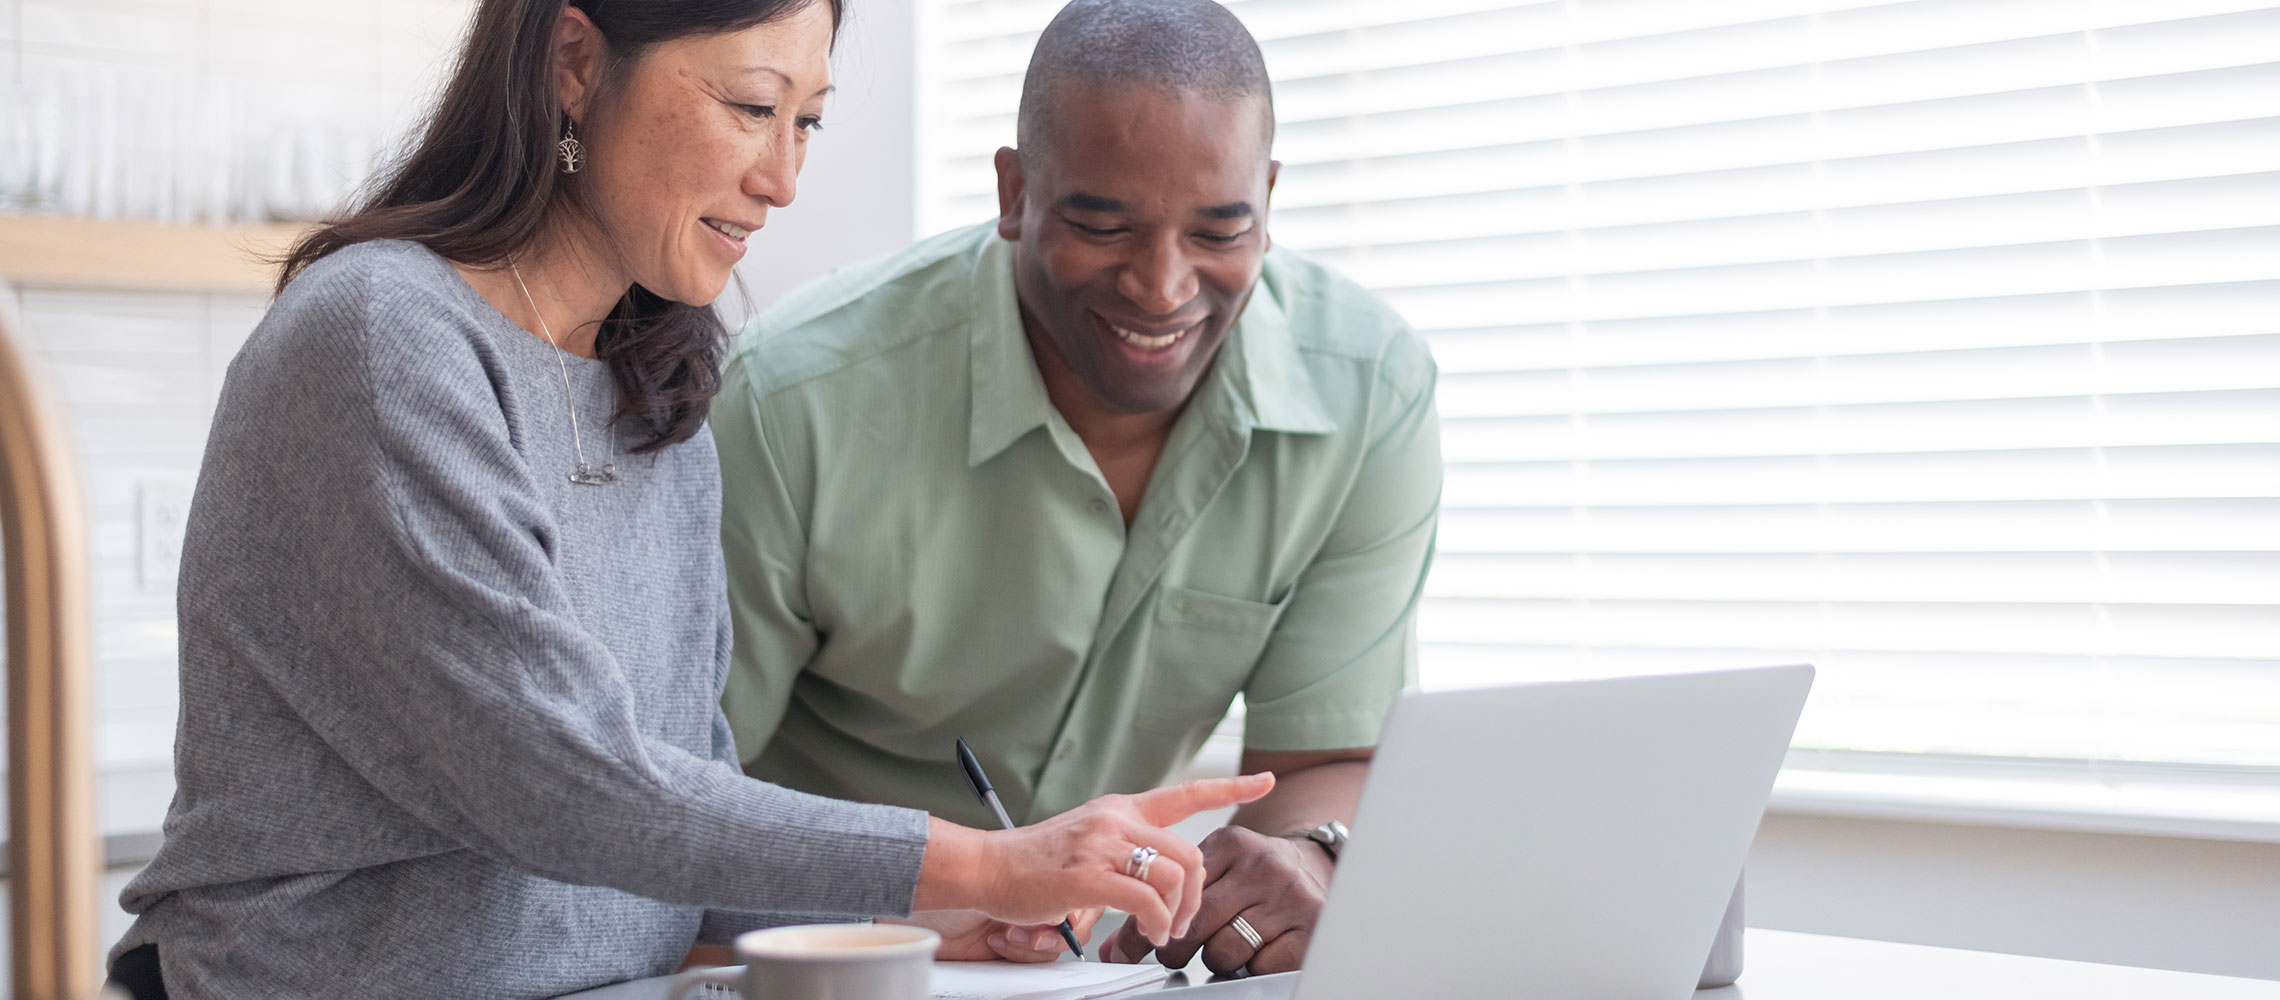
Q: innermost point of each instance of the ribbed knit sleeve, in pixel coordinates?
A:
(429, 644)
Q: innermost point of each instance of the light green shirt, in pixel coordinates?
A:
(920, 548)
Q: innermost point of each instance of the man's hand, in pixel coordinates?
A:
(1276, 884)
(1035, 875)
(971, 936)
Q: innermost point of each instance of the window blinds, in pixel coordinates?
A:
(1934, 343)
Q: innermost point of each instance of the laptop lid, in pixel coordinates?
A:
(1573, 839)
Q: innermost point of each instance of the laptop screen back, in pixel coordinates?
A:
(1575, 839)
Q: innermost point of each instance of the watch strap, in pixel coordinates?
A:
(1330, 837)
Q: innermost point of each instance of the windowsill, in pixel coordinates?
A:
(2031, 797)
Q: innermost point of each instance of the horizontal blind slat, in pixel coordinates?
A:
(1680, 190)
(2243, 417)
(2117, 315)
(1762, 71)
(2149, 473)
(1982, 577)
(2082, 628)
(1550, 232)
(1736, 133)
(2081, 525)
(2209, 257)
(2065, 371)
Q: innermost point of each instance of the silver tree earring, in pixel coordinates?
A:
(572, 151)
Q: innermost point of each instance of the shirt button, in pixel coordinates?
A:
(1100, 506)
(1068, 749)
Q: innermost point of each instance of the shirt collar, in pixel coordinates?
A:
(1263, 375)
(1008, 393)
(1272, 381)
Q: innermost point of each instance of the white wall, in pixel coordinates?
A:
(2162, 902)
(856, 196)
(11, 35)
(209, 110)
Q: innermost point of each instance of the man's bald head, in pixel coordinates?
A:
(1192, 46)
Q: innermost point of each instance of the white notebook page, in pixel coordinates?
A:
(1042, 981)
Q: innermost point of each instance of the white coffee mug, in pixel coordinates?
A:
(824, 962)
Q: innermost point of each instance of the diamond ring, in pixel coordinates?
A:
(1137, 865)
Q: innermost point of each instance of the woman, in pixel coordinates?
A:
(452, 613)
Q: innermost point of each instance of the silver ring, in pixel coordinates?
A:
(1137, 865)
(1250, 936)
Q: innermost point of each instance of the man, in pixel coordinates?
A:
(1065, 485)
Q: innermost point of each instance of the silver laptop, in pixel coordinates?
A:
(1561, 841)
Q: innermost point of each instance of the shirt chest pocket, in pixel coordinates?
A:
(1200, 650)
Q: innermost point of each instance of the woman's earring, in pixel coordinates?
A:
(572, 151)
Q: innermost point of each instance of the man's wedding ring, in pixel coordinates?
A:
(1137, 865)
(1250, 936)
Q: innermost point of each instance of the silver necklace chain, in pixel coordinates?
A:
(586, 475)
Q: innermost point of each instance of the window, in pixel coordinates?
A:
(1934, 343)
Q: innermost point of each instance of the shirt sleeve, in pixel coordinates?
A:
(429, 642)
(764, 541)
(1346, 643)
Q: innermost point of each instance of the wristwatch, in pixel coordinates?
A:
(1331, 837)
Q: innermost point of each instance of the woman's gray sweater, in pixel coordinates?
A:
(449, 721)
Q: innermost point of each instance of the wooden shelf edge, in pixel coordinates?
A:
(41, 251)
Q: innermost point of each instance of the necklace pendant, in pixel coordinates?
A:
(587, 475)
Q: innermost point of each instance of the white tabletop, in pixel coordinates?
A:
(1782, 965)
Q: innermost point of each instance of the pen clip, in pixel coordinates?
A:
(974, 777)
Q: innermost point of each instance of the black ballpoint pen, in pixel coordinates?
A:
(981, 784)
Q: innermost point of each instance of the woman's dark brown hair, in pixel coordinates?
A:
(482, 182)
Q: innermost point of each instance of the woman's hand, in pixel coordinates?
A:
(974, 936)
(1039, 874)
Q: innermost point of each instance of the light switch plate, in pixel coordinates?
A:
(165, 515)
